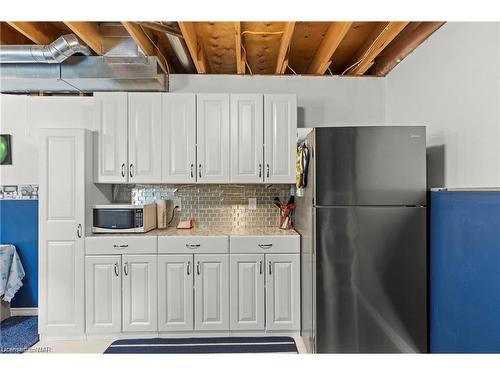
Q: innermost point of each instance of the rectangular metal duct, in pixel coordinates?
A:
(85, 74)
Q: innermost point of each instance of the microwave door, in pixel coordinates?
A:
(114, 218)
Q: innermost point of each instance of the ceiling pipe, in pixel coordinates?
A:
(53, 53)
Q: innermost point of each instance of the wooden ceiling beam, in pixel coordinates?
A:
(373, 46)
(286, 39)
(323, 57)
(89, 33)
(240, 62)
(10, 36)
(145, 44)
(194, 46)
(409, 39)
(38, 32)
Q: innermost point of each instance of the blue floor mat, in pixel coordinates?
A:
(18, 333)
(201, 345)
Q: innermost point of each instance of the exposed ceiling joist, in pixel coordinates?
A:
(323, 57)
(286, 39)
(409, 39)
(145, 43)
(195, 48)
(240, 62)
(9, 35)
(38, 32)
(374, 45)
(162, 28)
(89, 33)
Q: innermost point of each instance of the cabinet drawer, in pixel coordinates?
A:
(121, 245)
(265, 244)
(193, 244)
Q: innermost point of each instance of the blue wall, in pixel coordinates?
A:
(465, 272)
(19, 226)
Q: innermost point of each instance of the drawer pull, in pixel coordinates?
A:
(265, 245)
(193, 246)
(120, 246)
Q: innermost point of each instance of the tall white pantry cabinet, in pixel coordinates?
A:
(65, 190)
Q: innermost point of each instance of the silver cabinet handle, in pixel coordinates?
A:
(260, 267)
(125, 268)
(260, 170)
(120, 246)
(123, 170)
(270, 268)
(192, 173)
(199, 170)
(79, 230)
(198, 268)
(193, 246)
(131, 170)
(265, 245)
(188, 268)
(267, 170)
(116, 269)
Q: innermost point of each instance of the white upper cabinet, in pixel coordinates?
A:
(213, 138)
(63, 154)
(103, 296)
(140, 308)
(247, 291)
(247, 138)
(283, 292)
(280, 138)
(110, 110)
(179, 138)
(212, 292)
(144, 137)
(175, 293)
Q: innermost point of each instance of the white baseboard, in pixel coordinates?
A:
(23, 311)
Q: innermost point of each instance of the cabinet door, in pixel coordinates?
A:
(211, 292)
(247, 137)
(213, 138)
(112, 140)
(140, 310)
(280, 138)
(144, 137)
(61, 228)
(175, 292)
(103, 294)
(247, 291)
(283, 292)
(179, 138)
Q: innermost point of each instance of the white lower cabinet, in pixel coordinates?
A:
(103, 297)
(211, 292)
(175, 293)
(140, 301)
(283, 292)
(121, 293)
(247, 292)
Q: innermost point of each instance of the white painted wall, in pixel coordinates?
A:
(22, 116)
(451, 83)
(322, 101)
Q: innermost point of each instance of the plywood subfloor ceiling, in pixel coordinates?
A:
(273, 48)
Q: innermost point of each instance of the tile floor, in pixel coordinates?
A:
(97, 346)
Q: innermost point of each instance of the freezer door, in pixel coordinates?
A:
(378, 165)
(371, 280)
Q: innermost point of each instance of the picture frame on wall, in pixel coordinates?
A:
(5, 149)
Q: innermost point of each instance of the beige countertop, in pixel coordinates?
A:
(215, 231)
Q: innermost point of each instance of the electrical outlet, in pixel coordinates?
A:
(252, 203)
(178, 203)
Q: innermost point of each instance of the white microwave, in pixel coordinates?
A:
(124, 218)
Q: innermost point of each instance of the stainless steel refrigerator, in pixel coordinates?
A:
(362, 220)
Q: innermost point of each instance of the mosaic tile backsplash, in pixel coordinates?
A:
(212, 205)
